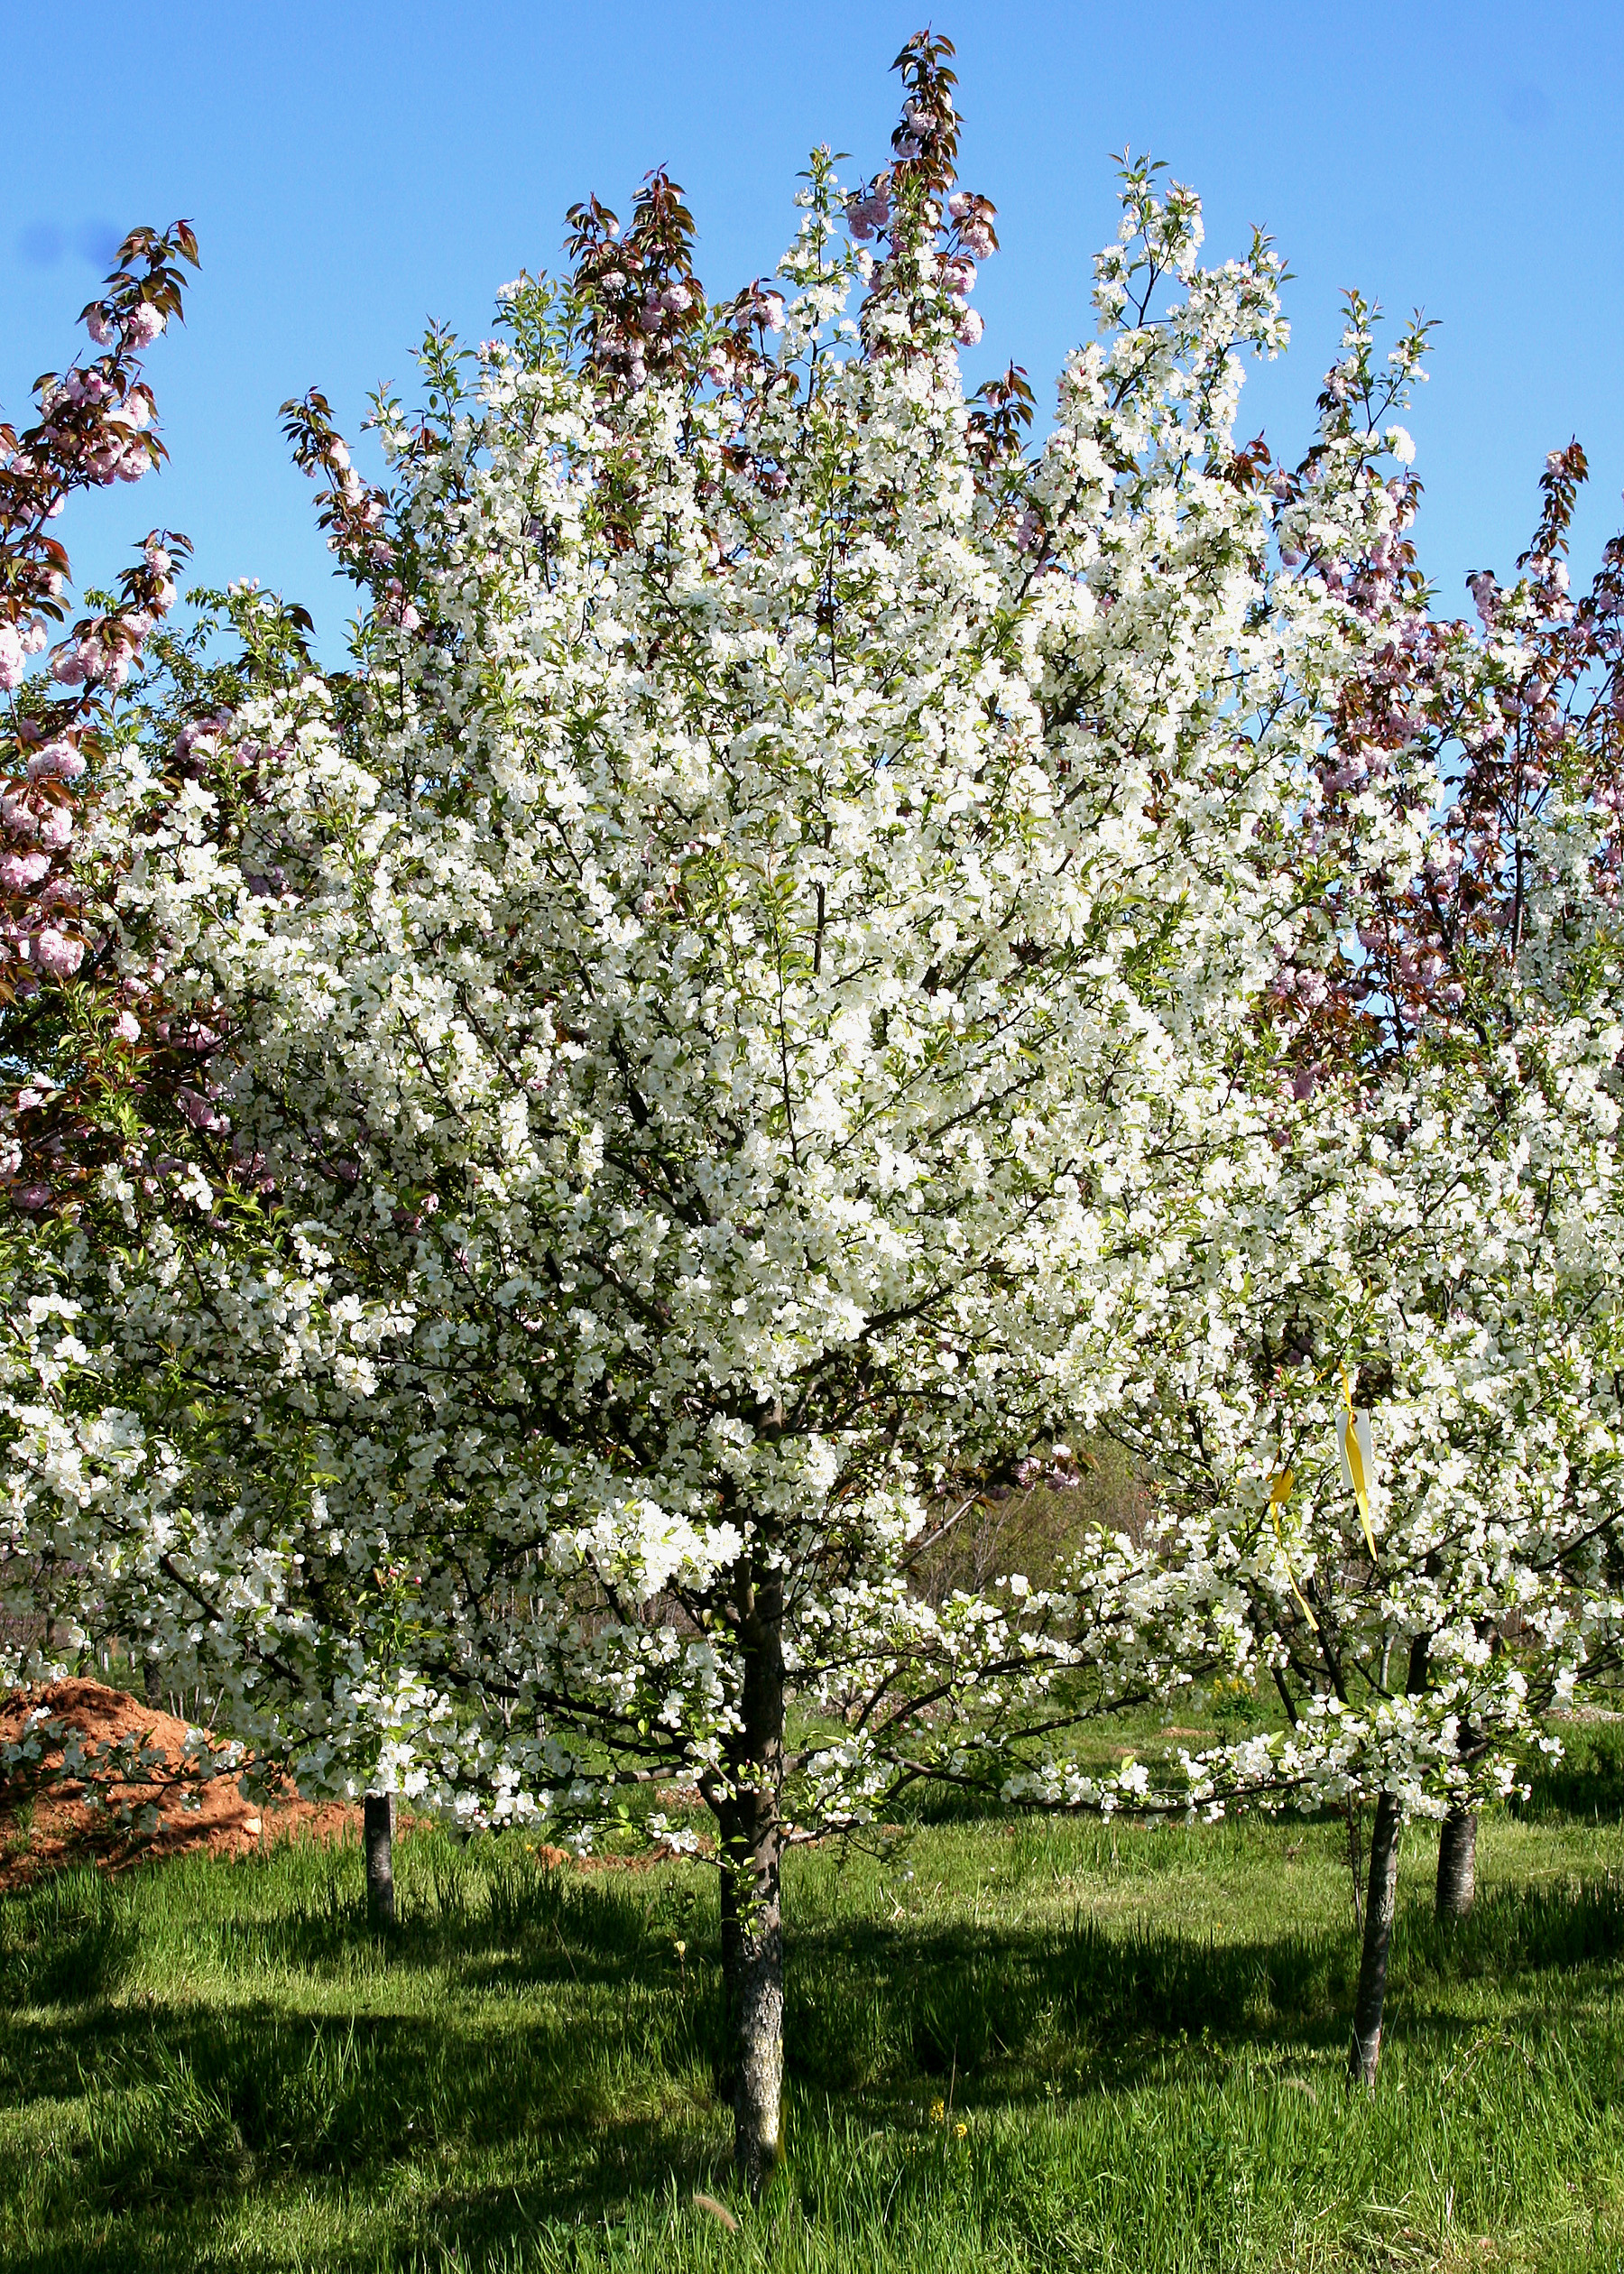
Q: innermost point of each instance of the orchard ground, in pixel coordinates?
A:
(1036, 2045)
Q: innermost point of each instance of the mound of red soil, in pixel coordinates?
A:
(63, 1829)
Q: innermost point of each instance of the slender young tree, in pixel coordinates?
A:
(1387, 1447)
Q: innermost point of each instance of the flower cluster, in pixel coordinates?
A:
(68, 1017)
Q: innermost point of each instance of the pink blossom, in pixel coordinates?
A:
(12, 658)
(57, 762)
(772, 311)
(865, 215)
(56, 953)
(98, 326)
(969, 327)
(20, 871)
(32, 1196)
(200, 1113)
(127, 1027)
(142, 324)
(54, 827)
(76, 663)
(977, 239)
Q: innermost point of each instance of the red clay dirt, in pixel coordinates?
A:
(65, 1830)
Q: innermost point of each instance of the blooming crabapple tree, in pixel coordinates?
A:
(1453, 1247)
(725, 1013)
(1426, 1219)
(1500, 952)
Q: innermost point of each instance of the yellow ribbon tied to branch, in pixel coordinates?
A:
(1279, 1492)
(1358, 1459)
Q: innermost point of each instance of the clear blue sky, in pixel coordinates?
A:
(355, 168)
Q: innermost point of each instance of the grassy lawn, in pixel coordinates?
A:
(1036, 2046)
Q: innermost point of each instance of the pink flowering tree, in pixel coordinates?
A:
(72, 1030)
(107, 723)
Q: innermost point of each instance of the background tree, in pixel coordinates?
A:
(1422, 1216)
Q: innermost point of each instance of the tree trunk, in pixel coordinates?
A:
(377, 1834)
(1457, 1863)
(1379, 1905)
(151, 1685)
(753, 1965)
(752, 1929)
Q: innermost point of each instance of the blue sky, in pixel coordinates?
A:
(354, 170)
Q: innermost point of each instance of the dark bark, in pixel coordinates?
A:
(1457, 1863)
(377, 1832)
(1380, 1903)
(751, 1841)
(151, 1685)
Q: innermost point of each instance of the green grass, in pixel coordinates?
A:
(208, 2065)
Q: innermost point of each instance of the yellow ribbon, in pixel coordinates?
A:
(1352, 1454)
(1279, 1492)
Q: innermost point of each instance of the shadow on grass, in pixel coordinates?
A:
(549, 2020)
